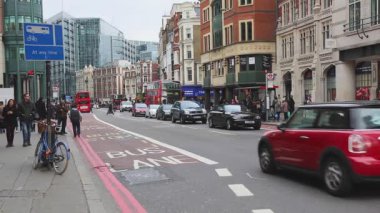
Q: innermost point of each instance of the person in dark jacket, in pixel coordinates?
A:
(291, 104)
(41, 109)
(62, 111)
(75, 118)
(27, 110)
(10, 118)
(110, 109)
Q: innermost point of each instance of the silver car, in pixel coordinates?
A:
(151, 111)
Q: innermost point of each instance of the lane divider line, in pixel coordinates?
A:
(123, 198)
(240, 190)
(223, 133)
(223, 172)
(262, 211)
(182, 151)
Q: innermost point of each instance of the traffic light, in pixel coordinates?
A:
(30, 73)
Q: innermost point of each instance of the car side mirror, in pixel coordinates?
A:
(282, 127)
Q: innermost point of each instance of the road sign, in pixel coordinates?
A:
(43, 42)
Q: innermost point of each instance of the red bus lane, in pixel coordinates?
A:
(113, 151)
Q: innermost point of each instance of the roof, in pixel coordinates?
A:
(343, 104)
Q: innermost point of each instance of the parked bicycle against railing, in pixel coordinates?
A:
(49, 151)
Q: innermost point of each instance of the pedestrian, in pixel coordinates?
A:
(27, 110)
(291, 104)
(285, 108)
(75, 118)
(41, 109)
(62, 111)
(110, 109)
(277, 108)
(2, 123)
(10, 119)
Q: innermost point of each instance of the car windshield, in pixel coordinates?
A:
(366, 118)
(153, 106)
(189, 105)
(232, 108)
(141, 106)
(167, 107)
(126, 103)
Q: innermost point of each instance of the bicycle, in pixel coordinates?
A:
(56, 155)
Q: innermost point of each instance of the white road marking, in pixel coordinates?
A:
(240, 190)
(190, 127)
(262, 211)
(182, 151)
(223, 133)
(223, 172)
(255, 178)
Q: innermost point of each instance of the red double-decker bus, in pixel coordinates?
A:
(83, 101)
(158, 92)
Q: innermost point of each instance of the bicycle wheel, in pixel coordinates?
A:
(60, 158)
(37, 155)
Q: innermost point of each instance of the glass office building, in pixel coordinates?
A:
(146, 50)
(63, 72)
(100, 43)
(17, 12)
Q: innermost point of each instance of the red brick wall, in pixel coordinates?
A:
(205, 27)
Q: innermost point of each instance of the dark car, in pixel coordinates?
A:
(163, 112)
(339, 142)
(139, 109)
(188, 111)
(233, 116)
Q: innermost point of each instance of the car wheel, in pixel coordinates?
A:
(229, 124)
(336, 177)
(267, 163)
(182, 119)
(173, 120)
(210, 123)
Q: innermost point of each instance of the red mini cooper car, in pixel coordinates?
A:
(340, 142)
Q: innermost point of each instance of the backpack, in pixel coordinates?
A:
(74, 115)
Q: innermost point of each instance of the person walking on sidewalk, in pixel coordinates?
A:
(62, 111)
(75, 118)
(10, 120)
(110, 109)
(41, 109)
(27, 109)
(2, 123)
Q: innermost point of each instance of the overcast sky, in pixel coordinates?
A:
(138, 19)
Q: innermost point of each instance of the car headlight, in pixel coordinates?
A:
(186, 112)
(204, 111)
(257, 117)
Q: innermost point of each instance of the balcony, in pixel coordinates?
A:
(230, 79)
(207, 82)
(252, 77)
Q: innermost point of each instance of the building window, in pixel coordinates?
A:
(206, 15)
(327, 3)
(188, 33)
(219, 68)
(326, 29)
(218, 38)
(228, 4)
(308, 84)
(293, 10)
(284, 45)
(247, 63)
(189, 55)
(311, 39)
(189, 74)
(354, 14)
(304, 8)
(331, 84)
(12, 23)
(245, 2)
(6, 24)
(308, 40)
(228, 35)
(246, 31)
(231, 65)
(145, 78)
(286, 12)
(303, 42)
(20, 22)
(312, 4)
(363, 72)
(375, 12)
(291, 45)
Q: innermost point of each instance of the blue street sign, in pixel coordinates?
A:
(43, 42)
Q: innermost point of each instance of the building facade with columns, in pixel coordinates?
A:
(237, 38)
(130, 82)
(306, 57)
(85, 81)
(357, 42)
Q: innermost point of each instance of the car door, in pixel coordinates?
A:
(176, 110)
(290, 144)
(217, 115)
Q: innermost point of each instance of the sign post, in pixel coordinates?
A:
(44, 42)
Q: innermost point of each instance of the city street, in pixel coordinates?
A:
(192, 168)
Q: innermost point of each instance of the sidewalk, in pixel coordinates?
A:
(23, 189)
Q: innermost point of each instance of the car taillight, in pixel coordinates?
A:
(356, 144)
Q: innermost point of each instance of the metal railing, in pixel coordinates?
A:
(361, 25)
